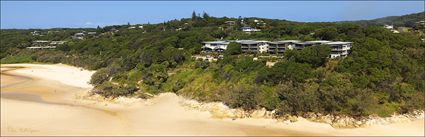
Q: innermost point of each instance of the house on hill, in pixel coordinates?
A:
(79, 36)
(41, 44)
(279, 47)
(250, 46)
(301, 45)
(214, 46)
(340, 49)
(230, 23)
(249, 29)
(57, 42)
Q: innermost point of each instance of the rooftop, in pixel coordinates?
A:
(216, 42)
(317, 42)
(285, 41)
(338, 42)
(40, 41)
(247, 41)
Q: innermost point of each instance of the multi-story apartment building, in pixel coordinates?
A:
(301, 45)
(279, 47)
(214, 46)
(340, 49)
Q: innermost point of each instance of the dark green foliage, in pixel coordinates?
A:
(406, 20)
(242, 97)
(314, 55)
(327, 33)
(233, 49)
(99, 76)
(109, 89)
(285, 71)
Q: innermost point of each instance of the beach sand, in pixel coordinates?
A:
(52, 100)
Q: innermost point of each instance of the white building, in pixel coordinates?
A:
(230, 23)
(249, 29)
(249, 46)
(44, 47)
(41, 44)
(340, 49)
(279, 47)
(35, 33)
(57, 42)
(389, 27)
(91, 33)
(79, 36)
(263, 46)
(301, 45)
(214, 46)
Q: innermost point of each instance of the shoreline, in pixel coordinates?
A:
(221, 111)
(128, 112)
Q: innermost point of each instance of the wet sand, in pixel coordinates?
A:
(34, 105)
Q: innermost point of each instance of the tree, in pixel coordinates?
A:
(314, 55)
(329, 33)
(194, 17)
(233, 49)
(205, 16)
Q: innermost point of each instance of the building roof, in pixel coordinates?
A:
(216, 42)
(338, 43)
(57, 42)
(246, 27)
(317, 42)
(40, 41)
(80, 33)
(247, 41)
(284, 41)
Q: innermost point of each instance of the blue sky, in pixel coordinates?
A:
(49, 14)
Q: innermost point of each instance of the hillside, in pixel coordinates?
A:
(405, 20)
(383, 74)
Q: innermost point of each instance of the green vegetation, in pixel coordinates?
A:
(384, 74)
(16, 59)
(406, 20)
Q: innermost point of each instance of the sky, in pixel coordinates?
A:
(53, 14)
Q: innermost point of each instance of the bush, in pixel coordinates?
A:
(99, 76)
(17, 59)
(233, 49)
(108, 89)
(241, 97)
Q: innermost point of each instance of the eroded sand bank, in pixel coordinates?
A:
(52, 100)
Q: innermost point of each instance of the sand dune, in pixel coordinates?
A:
(65, 74)
(52, 100)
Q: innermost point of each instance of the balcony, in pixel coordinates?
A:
(340, 49)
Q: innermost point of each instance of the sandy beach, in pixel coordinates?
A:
(52, 100)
